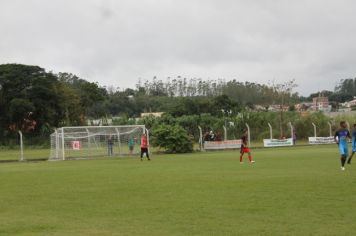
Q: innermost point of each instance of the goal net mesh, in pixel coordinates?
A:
(95, 141)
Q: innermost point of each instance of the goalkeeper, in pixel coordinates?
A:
(144, 147)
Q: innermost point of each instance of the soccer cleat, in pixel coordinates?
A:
(252, 161)
(241, 162)
(342, 168)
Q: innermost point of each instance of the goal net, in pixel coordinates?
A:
(95, 141)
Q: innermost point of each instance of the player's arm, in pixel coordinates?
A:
(335, 137)
(349, 135)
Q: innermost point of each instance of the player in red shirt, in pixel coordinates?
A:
(144, 147)
(244, 147)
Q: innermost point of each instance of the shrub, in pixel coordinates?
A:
(173, 138)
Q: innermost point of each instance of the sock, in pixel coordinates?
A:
(343, 160)
(250, 157)
(241, 157)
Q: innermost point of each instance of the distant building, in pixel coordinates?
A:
(321, 104)
(305, 106)
(99, 122)
(344, 109)
(350, 103)
(353, 102)
(277, 108)
(260, 108)
(155, 114)
(348, 106)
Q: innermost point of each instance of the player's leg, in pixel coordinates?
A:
(250, 157)
(248, 151)
(110, 151)
(350, 157)
(241, 155)
(352, 153)
(147, 154)
(142, 152)
(343, 152)
(343, 160)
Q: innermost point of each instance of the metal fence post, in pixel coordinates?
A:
(21, 146)
(314, 129)
(225, 133)
(270, 131)
(200, 138)
(330, 129)
(249, 134)
(291, 129)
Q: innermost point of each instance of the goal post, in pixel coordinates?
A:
(95, 141)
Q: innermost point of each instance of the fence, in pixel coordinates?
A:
(21, 148)
(289, 138)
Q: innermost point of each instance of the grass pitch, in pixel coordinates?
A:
(290, 191)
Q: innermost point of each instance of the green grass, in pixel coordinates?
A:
(289, 191)
(29, 154)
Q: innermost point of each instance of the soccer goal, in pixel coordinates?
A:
(95, 141)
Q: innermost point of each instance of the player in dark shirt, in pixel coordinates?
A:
(341, 136)
(110, 146)
(245, 148)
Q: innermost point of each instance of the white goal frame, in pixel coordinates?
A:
(93, 140)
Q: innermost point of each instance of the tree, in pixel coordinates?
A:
(20, 112)
(346, 86)
(36, 101)
(29, 97)
(223, 105)
(90, 94)
(282, 92)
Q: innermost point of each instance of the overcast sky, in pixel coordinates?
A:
(115, 42)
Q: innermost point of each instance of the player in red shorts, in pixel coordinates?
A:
(144, 147)
(244, 147)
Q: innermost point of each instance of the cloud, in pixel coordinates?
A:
(117, 42)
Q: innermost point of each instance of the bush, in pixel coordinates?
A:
(173, 138)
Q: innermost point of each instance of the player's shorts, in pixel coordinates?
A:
(245, 150)
(344, 150)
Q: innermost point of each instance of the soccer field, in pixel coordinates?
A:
(289, 191)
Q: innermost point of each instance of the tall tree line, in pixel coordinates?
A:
(35, 101)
